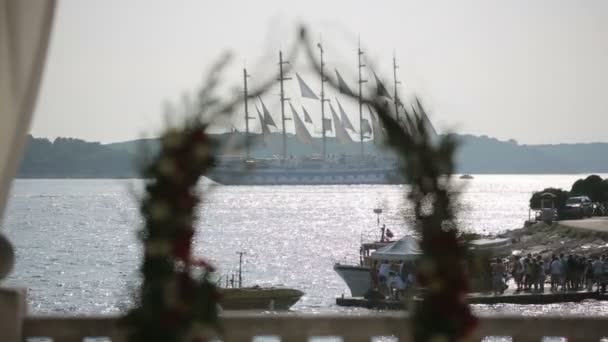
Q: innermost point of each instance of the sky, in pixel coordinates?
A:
(533, 71)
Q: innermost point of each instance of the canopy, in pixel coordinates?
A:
(404, 249)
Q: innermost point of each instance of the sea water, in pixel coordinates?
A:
(77, 250)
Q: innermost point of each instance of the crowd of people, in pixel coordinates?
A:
(564, 273)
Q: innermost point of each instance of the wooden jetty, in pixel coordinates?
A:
(509, 297)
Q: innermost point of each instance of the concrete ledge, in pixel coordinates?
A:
(13, 309)
(599, 224)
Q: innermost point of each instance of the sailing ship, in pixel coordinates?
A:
(316, 168)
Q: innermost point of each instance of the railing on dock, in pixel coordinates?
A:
(292, 327)
(16, 325)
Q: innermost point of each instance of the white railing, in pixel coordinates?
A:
(16, 325)
(292, 327)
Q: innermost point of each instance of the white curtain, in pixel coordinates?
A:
(25, 27)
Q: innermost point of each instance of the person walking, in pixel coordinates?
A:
(518, 272)
(589, 276)
(498, 274)
(556, 269)
(383, 275)
(597, 271)
(604, 276)
(564, 276)
(542, 275)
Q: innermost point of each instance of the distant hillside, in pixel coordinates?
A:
(489, 155)
(74, 158)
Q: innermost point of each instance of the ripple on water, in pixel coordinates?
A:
(77, 250)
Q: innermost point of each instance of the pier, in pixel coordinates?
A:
(509, 297)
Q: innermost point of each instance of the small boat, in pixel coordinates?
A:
(259, 298)
(237, 297)
(357, 275)
(467, 176)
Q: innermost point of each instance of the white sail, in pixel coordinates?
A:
(380, 88)
(366, 128)
(342, 86)
(327, 124)
(345, 121)
(305, 89)
(302, 133)
(306, 116)
(267, 117)
(341, 133)
(377, 129)
(264, 128)
(426, 121)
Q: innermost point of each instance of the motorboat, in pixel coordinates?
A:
(259, 298)
(237, 297)
(357, 276)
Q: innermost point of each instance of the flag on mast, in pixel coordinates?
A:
(342, 86)
(305, 89)
(267, 117)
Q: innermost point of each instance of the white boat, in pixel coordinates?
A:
(406, 249)
(357, 276)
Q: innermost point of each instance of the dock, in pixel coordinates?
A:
(509, 297)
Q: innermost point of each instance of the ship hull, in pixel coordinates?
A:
(356, 277)
(259, 298)
(286, 176)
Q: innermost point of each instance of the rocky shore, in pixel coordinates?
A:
(544, 239)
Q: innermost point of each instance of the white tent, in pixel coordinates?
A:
(405, 249)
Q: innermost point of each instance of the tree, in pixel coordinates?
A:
(560, 199)
(593, 186)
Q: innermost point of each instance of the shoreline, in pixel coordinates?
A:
(587, 237)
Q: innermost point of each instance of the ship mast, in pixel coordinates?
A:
(361, 81)
(323, 80)
(395, 96)
(245, 99)
(283, 99)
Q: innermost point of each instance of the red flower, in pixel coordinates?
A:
(182, 245)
